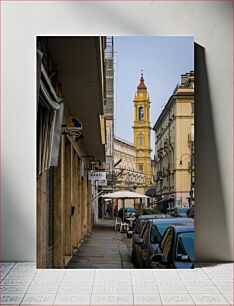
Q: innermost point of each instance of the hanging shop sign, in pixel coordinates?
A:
(73, 126)
(97, 176)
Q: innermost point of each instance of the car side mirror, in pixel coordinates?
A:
(158, 258)
(139, 241)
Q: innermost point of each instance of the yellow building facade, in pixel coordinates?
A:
(174, 146)
(142, 130)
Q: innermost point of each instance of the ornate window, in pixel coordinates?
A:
(141, 113)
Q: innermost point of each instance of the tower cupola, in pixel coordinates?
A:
(142, 86)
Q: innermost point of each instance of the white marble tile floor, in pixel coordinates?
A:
(208, 284)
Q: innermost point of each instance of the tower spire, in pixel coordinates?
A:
(142, 83)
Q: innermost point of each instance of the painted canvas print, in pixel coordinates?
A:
(115, 152)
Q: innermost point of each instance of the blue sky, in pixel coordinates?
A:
(163, 59)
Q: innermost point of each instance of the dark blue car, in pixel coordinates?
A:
(145, 244)
(134, 230)
(176, 250)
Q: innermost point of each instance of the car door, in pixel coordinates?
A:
(141, 247)
(135, 238)
(166, 248)
(136, 233)
(152, 245)
(145, 250)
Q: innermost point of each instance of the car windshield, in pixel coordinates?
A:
(161, 228)
(158, 232)
(155, 235)
(185, 247)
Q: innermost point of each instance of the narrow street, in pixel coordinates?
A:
(104, 248)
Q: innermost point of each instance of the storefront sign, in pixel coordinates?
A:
(73, 126)
(97, 176)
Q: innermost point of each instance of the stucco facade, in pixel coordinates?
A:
(174, 145)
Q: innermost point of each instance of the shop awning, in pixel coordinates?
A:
(151, 193)
(49, 122)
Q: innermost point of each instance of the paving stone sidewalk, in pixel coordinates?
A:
(104, 248)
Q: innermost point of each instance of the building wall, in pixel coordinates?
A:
(72, 208)
(184, 122)
(130, 176)
(64, 193)
(165, 137)
(173, 134)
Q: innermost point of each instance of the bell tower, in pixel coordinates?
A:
(141, 130)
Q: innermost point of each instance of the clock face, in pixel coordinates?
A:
(140, 152)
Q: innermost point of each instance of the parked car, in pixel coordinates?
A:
(190, 211)
(176, 250)
(140, 221)
(145, 244)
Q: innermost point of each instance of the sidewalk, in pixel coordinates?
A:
(104, 248)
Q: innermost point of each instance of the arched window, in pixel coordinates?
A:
(141, 113)
(141, 140)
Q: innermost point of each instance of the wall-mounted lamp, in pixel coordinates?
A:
(181, 161)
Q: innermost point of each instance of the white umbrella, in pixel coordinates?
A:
(123, 194)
